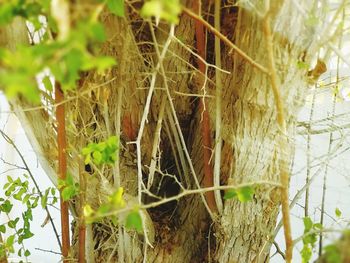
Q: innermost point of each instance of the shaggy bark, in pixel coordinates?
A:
(183, 229)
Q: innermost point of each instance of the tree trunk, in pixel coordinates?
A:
(183, 229)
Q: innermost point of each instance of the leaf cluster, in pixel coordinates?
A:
(102, 152)
(19, 190)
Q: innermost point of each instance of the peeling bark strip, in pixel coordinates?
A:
(208, 179)
(62, 167)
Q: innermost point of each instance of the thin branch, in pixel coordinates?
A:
(316, 231)
(16, 167)
(278, 250)
(284, 173)
(187, 193)
(225, 40)
(48, 251)
(156, 141)
(330, 129)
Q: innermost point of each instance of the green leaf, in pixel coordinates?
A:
(302, 65)
(307, 224)
(68, 187)
(97, 32)
(169, 10)
(103, 63)
(245, 193)
(10, 241)
(152, 8)
(27, 234)
(116, 198)
(12, 223)
(6, 206)
(338, 212)
(134, 221)
(230, 194)
(27, 253)
(25, 199)
(332, 254)
(20, 252)
(2, 229)
(68, 193)
(116, 7)
(306, 253)
(318, 226)
(6, 13)
(88, 211)
(47, 83)
(97, 157)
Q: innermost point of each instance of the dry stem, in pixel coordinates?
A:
(284, 173)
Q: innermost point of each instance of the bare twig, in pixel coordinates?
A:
(156, 142)
(48, 251)
(278, 250)
(190, 192)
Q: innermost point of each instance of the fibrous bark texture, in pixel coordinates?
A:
(182, 229)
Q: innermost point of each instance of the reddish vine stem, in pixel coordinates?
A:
(62, 168)
(208, 179)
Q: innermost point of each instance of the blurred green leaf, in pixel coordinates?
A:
(134, 221)
(116, 7)
(245, 193)
(332, 254)
(230, 194)
(338, 212)
(169, 10)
